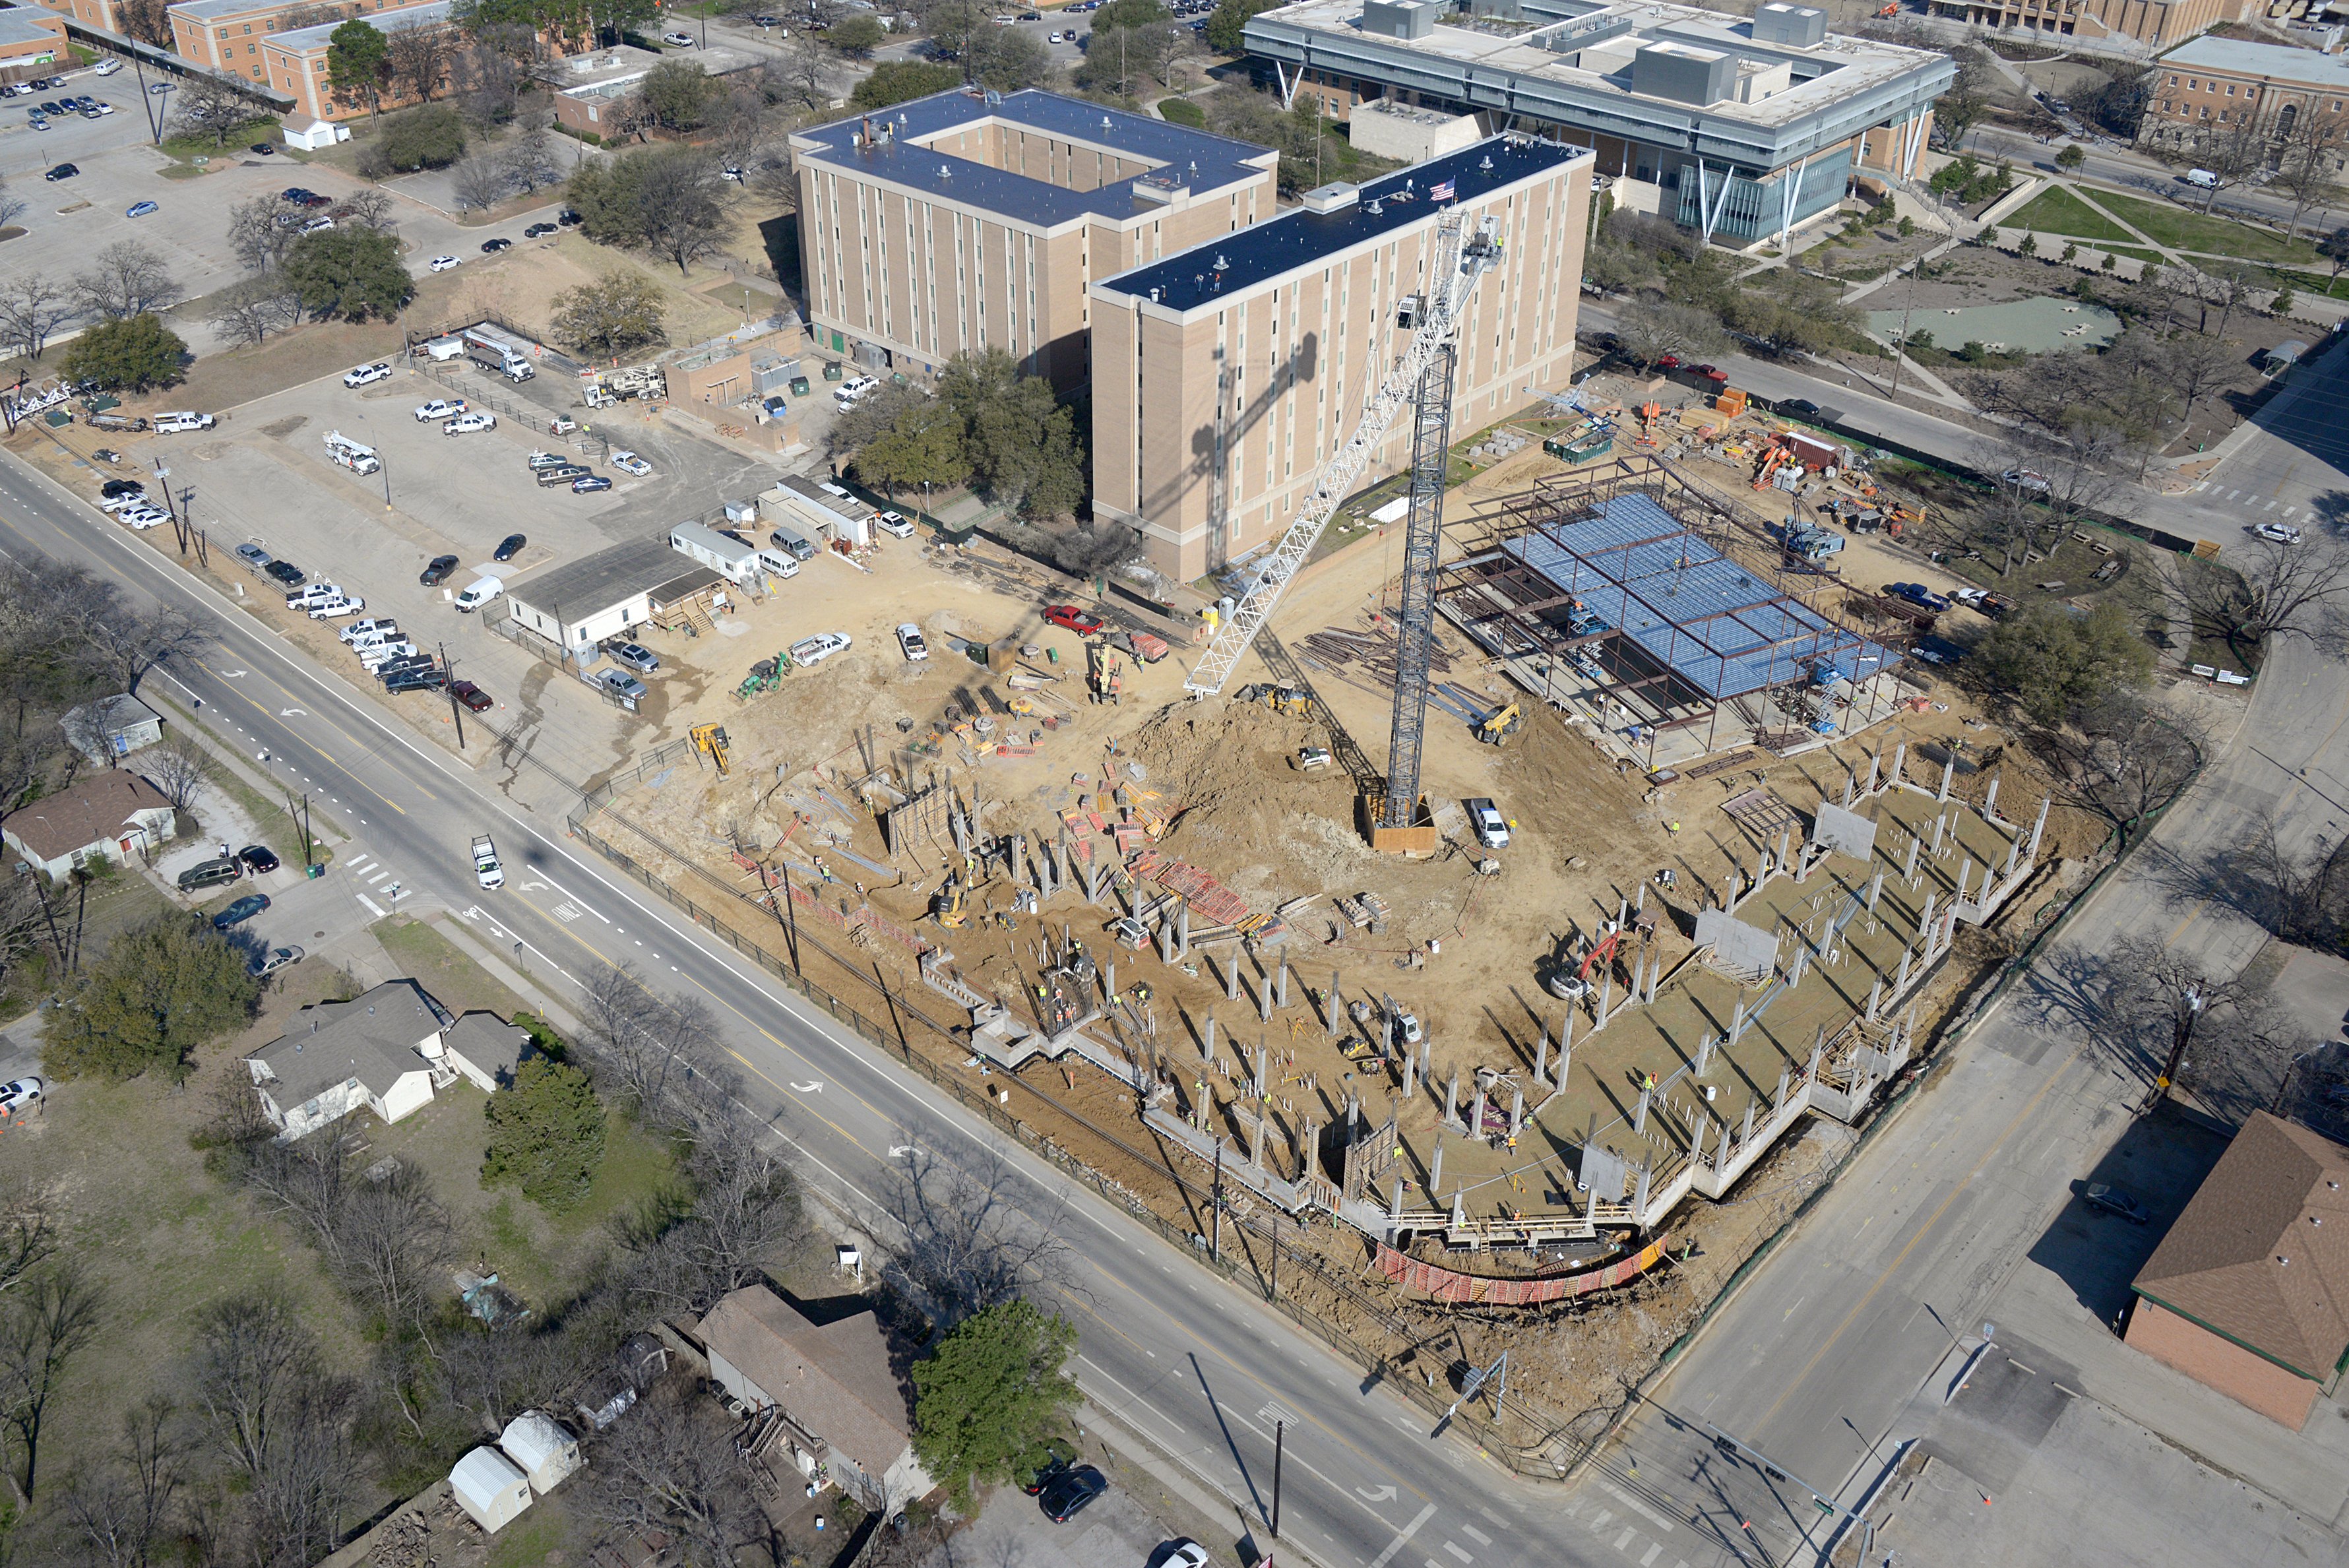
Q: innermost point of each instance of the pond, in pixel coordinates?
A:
(2018, 326)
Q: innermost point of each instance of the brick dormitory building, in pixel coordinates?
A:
(2213, 85)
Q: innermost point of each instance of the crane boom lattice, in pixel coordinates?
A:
(1460, 262)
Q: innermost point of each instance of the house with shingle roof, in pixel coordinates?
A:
(109, 815)
(829, 1398)
(2248, 1293)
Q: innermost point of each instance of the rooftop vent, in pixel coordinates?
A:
(1795, 27)
(1400, 18)
(1334, 197)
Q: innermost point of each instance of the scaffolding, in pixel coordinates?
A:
(1676, 612)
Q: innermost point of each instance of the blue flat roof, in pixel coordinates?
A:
(1298, 238)
(1692, 610)
(1205, 162)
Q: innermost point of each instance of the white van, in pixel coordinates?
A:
(776, 563)
(175, 424)
(480, 592)
(2202, 176)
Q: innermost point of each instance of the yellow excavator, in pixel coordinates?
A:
(710, 739)
(1499, 726)
(946, 903)
(1282, 699)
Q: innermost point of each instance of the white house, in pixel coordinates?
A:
(108, 816)
(111, 727)
(388, 1052)
(312, 134)
(828, 1396)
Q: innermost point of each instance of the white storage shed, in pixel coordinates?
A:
(730, 558)
(486, 1485)
(542, 1446)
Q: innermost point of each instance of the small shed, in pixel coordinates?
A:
(488, 1486)
(730, 558)
(2274, 362)
(112, 726)
(312, 134)
(542, 1446)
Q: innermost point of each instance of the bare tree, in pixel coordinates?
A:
(365, 209)
(529, 160)
(12, 206)
(305, 1181)
(180, 768)
(1650, 335)
(32, 308)
(2227, 153)
(647, 1048)
(126, 280)
(2127, 757)
(480, 182)
(803, 72)
(2302, 896)
(745, 1219)
(2274, 590)
(967, 1241)
(669, 1472)
(124, 643)
(123, 1512)
(43, 1323)
(2197, 366)
(213, 105)
(262, 231)
(2181, 1023)
(247, 312)
(421, 57)
(678, 210)
(251, 1352)
(494, 1376)
(394, 1236)
(26, 1237)
(2307, 156)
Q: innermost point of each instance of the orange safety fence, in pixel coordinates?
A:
(1450, 1284)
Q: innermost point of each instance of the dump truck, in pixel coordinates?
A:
(486, 869)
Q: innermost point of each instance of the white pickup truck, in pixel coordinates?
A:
(485, 862)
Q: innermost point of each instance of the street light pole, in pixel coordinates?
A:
(2185, 1012)
(456, 708)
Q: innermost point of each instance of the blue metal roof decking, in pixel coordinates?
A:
(1298, 238)
(1693, 610)
(1204, 163)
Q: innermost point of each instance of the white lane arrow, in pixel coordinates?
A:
(815, 1088)
(292, 713)
(899, 1150)
(1380, 1494)
(232, 675)
(535, 886)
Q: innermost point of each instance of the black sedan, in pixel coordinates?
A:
(113, 488)
(285, 572)
(509, 546)
(240, 911)
(265, 149)
(258, 858)
(62, 171)
(492, 247)
(536, 229)
(1071, 1492)
(437, 573)
(1799, 409)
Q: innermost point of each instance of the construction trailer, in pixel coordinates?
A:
(1677, 624)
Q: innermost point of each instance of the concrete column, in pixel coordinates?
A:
(1394, 1206)
(1802, 961)
(1873, 764)
(1435, 1169)
(1902, 983)
(1640, 898)
(1965, 875)
(1925, 922)
(1565, 1046)
(1263, 999)
(1410, 1074)
(1900, 764)
(1263, 1071)
(1255, 1139)
(1541, 1058)
(1949, 771)
(1337, 1007)
(2013, 855)
(1818, 1052)
(1875, 891)
(1640, 1119)
(1459, 1213)
(1850, 783)
(1109, 980)
(1516, 1111)
(1183, 929)
(1606, 998)
(2032, 854)
(1476, 1115)
(1166, 943)
(1990, 801)
(1778, 1100)
(1875, 997)
(1909, 866)
(1656, 977)
(1941, 830)
(1207, 1036)
(1737, 1022)
(1785, 841)
(1231, 977)
(1639, 1197)
(1281, 987)
(1704, 1055)
(1452, 1099)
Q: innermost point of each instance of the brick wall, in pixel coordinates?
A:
(2186, 1346)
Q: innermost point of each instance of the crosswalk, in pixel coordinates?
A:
(1621, 1527)
(2211, 489)
(374, 876)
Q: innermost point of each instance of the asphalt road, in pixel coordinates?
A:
(2138, 174)
(1194, 1365)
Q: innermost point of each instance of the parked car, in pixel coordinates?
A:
(1485, 818)
(475, 699)
(1071, 1493)
(1074, 619)
(254, 558)
(894, 523)
(629, 463)
(368, 375)
(208, 873)
(1799, 409)
(1054, 1466)
(142, 209)
(910, 643)
(113, 488)
(2026, 479)
(443, 263)
(318, 225)
(240, 911)
(622, 683)
(285, 572)
(465, 424)
(258, 858)
(678, 40)
(569, 217)
(21, 1094)
(851, 391)
(1917, 594)
(509, 546)
(441, 408)
(2276, 533)
(492, 247)
(62, 171)
(536, 229)
(587, 484)
(2113, 1201)
(816, 649)
(276, 958)
(438, 571)
(335, 609)
(636, 656)
(265, 149)
(425, 679)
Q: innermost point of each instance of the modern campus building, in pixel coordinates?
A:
(2153, 22)
(1737, 128)
(1224, 378)
(2218, 84)
(967, 222)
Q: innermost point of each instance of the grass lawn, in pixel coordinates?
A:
(432, 961)
(2311, 283)
(2056, 210)
(2185, 230)
(265, 129)
(1182, 111)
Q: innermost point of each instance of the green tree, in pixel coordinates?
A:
(679, 94)
(2335, 248)
(546, 1134)
(1129, 14)
(992, 1396)
(349, 272)
(358, 62)
(1227, 27)
(135, 354)
(162, 990)
(921, 449)
(1019, 439)
(2071, 158)
(613, 315)
(899, 81)
(432, 137)
(661, 198)
(2054, 663)
(857, 35)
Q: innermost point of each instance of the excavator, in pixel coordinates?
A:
(1289, 700)
(946, 904)
(1499, 725)
(710, 739)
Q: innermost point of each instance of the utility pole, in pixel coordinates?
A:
(456, 708)
(1280, 1445)
(1215, 1202)
(2186, 1012)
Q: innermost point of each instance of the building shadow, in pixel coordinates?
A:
(2158, 1161)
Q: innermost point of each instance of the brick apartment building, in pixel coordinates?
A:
(962, 222)
(2249, 1292)
(31, 40)
(295, 63)
(2152, 22)
(2214, 84)
(1226, 377)
(227, 35)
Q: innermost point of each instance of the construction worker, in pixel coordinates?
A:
(1673, 827)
